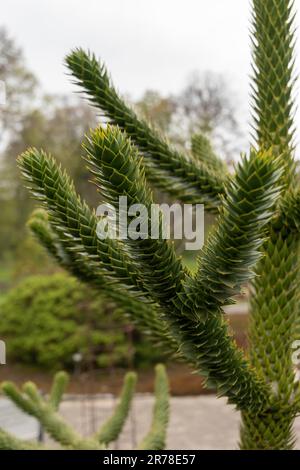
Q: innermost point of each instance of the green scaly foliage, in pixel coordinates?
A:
(256, 235)
(161, 275)
(45, 320)
(203, 152)
(166, 167)
(113, 426)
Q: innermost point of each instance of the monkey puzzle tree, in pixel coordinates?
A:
(256, 236)
(45, 410)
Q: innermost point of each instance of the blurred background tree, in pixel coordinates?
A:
(205, 106)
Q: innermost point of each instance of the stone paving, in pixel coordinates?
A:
(202, 422)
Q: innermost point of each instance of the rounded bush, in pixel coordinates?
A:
(45, 320)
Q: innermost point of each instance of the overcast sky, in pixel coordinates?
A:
(145, 44)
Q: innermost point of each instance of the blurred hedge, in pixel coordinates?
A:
(45, 320)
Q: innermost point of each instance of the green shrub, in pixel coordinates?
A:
(46, 319)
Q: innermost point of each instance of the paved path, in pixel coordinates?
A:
(16, 422)
(202, 422)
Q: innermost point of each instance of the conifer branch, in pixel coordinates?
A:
(273, 78)
(54, 188)
(235, 244)
(60, 382)
(119, 171)
(289, 210)
(166, 167)
(10, 442)
(56, 427)
(44, 410)
(274, 301)
(145, 278)
(202, 151)
(156, 437)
